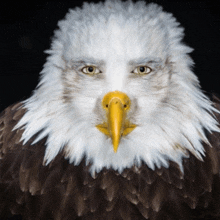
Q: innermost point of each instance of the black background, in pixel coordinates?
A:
(26, 30)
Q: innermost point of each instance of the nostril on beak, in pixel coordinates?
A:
(116, 124)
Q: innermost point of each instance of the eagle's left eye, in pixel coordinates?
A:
(90, 70)
(142, 70)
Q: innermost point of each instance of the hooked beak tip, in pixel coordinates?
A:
(115, 148)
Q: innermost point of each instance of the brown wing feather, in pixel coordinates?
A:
(64, 191)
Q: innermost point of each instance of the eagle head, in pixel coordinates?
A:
(118, 90)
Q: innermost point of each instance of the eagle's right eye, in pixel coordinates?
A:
(90, 70)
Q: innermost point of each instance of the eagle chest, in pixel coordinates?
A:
(64, 191)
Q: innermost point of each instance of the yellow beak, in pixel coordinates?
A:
(116, 104)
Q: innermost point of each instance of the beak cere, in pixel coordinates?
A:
(116, 104)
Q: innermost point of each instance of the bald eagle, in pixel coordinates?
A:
(117, 128)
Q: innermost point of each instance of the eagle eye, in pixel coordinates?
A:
(90, 70)
(142, 70)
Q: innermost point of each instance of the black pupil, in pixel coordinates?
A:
(90, 69)
(142, 69)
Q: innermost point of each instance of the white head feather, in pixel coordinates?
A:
(167, 105)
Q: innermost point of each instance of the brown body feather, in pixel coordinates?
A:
(62, 191)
